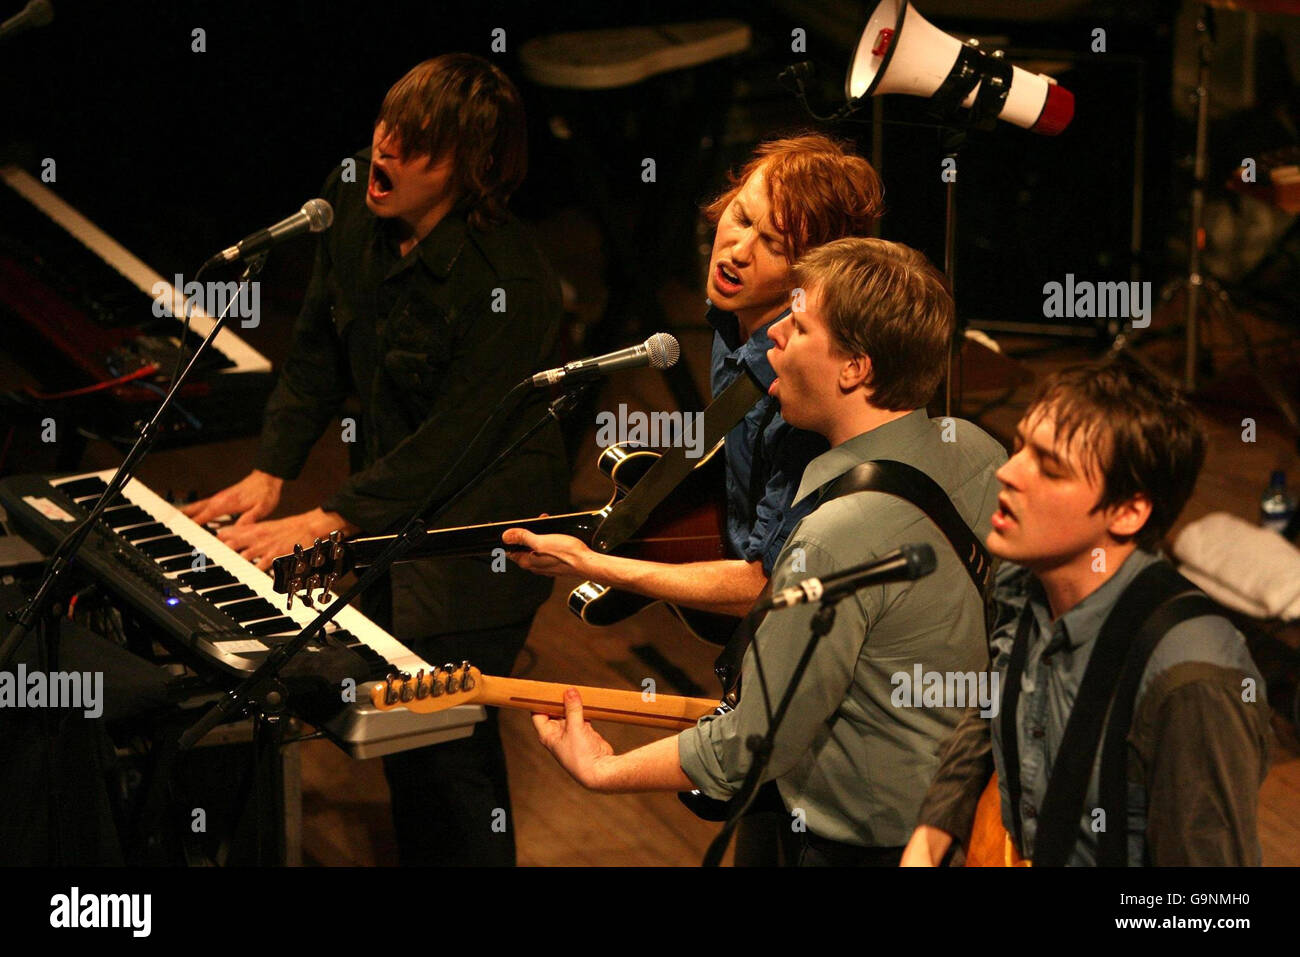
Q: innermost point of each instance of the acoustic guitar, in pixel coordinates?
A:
(686, 526)
(990, 845)
(450, 686)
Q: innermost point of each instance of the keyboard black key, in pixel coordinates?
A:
(275, 626)
(251, 609)
(82, 487)
(179, 563)
(229, 593)
(210, 577)
(141, 532)
(121, 517)
(88, 502)
(163, 547)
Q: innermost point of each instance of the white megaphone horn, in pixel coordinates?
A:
(902, 52)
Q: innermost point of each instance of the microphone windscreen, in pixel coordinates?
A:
(320, 214)
(920, 560)
(664, 350)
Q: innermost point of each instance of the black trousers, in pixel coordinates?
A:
(451, 801)
(765, 835)
(819, 852)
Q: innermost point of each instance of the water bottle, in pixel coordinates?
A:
(1276, 505)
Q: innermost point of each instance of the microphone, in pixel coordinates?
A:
(36, 14)
(903, 564)
(315, 216)
(660, 351)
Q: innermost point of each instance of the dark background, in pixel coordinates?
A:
(178, 154)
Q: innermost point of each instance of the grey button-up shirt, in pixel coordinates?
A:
(850, 762)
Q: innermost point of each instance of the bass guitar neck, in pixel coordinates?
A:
(449, 686)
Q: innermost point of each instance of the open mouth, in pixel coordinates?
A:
(726, 279)
(380, 182)
(1003, 517)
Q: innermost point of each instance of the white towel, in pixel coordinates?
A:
(1248, 568)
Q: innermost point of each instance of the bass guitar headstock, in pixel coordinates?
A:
(306, 571)
(426, 692)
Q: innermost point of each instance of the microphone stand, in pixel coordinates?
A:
(43, 604)
(761, 746)
(264, 695)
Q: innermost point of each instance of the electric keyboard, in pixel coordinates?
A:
(78, 294)
(216, 604)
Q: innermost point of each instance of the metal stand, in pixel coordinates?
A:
(1196, 237)
(761, 747)
(1206, 299)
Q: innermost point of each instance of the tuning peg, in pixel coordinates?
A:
(466, 679)
(328, 587)
(390, 693)
(421, 691)
(408, 692)
(299, 561)
(437, 684)
(453, 679)
(318, 553)
(290, 588)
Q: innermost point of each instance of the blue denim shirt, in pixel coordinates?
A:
(1059, 652)
(765, 455)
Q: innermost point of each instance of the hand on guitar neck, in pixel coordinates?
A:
(591, 761)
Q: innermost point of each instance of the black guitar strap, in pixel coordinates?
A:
(902, 481)
(631, 512)
(1158, 598)
(911, 484)
(1113, 787)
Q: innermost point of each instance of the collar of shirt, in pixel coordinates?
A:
(883, 442)
(1082, 623)
(438, 250)
(752, 353)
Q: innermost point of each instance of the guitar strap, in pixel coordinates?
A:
(1158, 598)
(892, 478)
(631, 511)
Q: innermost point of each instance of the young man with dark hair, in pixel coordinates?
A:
(1106, 457)
(429, 302)
(848, 763)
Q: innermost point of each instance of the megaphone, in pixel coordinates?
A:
(902, 52)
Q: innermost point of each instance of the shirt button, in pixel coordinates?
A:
(1037, 732)
(1029, 810)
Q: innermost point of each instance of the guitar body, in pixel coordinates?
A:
(990, 845)
(686, 527)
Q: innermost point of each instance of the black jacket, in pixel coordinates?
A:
(429, 342)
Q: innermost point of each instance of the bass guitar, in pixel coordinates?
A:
(449, 686)
(686, 526)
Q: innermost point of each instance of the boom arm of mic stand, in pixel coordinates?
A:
(266, 676)
(761, 747)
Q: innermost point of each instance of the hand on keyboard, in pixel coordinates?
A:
(261, 542)
(252, 498)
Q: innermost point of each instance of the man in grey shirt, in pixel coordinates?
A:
(860, 354)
